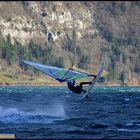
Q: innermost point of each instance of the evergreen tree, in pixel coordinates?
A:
(122, 77)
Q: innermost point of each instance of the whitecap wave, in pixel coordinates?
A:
(14, 115)
(126, 99)
(129, 130)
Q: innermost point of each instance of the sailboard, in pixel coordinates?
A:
(59, 74)
(99, 72)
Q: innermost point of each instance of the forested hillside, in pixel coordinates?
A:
(62, 33)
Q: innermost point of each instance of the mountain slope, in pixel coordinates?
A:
(83, 33)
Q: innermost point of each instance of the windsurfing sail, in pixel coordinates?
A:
(59, 74)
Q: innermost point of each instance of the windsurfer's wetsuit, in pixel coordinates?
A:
(79, 88)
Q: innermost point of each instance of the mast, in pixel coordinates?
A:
(74, 40)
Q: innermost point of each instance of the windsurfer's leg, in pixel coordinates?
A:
(94, 75)
(85, 83)
(81, 86)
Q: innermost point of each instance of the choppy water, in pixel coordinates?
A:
(53, 112)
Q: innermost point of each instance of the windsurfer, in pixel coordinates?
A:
(79, 88)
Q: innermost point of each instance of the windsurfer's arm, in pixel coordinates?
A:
(77, 69)
(71, 68)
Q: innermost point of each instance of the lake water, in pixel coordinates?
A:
(54, 112)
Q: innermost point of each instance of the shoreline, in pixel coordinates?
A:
(62, 85)
(7, 79)
(42, 81)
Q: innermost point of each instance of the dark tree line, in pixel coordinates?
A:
(33, 52)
